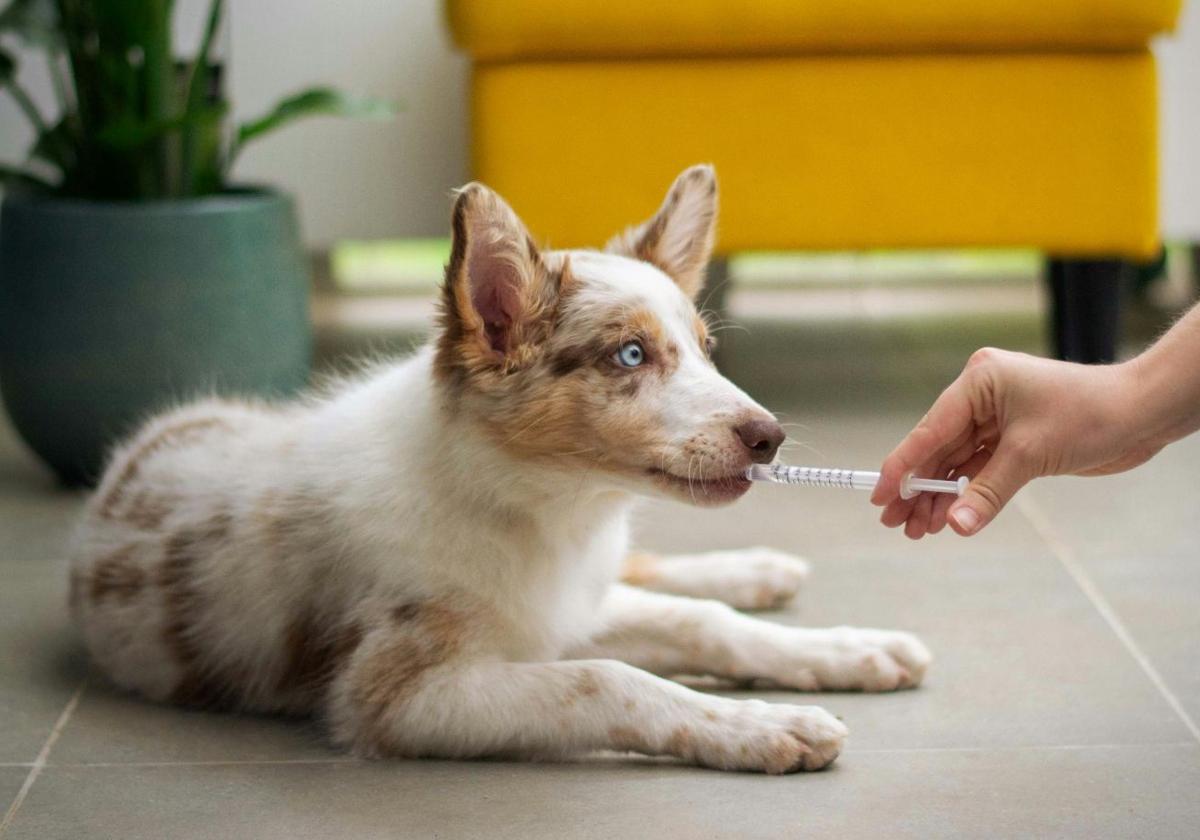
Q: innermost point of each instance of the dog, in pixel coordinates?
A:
(433, 556)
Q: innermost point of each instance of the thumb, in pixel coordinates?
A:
(1004, 474)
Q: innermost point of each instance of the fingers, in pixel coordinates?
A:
(933, 514)
(1003, 474)
(995, 479)
(942, 504)
(947, 427)
(937, 519)
(918, 521)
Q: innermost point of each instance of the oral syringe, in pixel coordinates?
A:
(910, 485)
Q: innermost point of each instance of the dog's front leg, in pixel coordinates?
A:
(465, 710)
(671, 635)
(757, 578)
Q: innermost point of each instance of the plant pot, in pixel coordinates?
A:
(110, 311)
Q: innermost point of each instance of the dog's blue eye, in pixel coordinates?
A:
(631, 354)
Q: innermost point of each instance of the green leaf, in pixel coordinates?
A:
(316, 101)
(35, 22)
(191, 175)
(11, 176)
(129, 133)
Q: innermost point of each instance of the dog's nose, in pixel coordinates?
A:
(762, 437)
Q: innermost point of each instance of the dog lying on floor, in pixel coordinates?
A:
(428, 556)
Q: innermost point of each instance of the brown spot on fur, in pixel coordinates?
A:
(117, 574)
(710, 715)
(625, 738)
(639, 569)
(183, 604)
(644, 324)
(298, 520)
(630, 387)
(680, 743)
(703, 338)
(315, 654)
(406, 613)
(586, 684)
(133, 463)
(567, 360)
(147, 511)
(421, 636)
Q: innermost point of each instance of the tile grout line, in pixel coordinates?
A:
(40, 762)
(1091, 591)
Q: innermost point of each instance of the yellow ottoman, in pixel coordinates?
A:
(859, 124)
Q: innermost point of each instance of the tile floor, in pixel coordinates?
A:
(1063, 702)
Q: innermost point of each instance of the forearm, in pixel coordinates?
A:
(1165, 383)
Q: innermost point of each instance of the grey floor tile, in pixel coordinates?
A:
(1157, 598)
(112, 726)
(11, 779)
(1151, 509)
(41, 663)
(1086, 793)
(1135, 535)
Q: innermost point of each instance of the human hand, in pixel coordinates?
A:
(1007, 419)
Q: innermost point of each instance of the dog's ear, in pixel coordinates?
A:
(497, 289)
(678, 239)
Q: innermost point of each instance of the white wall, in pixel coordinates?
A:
(356, 178)
(363, 179)
(1179, 105)
(352, 178)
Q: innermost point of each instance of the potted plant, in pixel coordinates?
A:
(132, 273)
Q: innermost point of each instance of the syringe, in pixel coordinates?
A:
(910, 486)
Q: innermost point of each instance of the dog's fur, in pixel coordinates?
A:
(428, 556)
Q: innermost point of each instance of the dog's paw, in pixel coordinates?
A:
(772, 738)
(761, 578)
(756, 578)
(853, 659)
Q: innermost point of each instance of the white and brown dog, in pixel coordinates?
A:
(428, 556)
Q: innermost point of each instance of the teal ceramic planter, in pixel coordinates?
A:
(112, 310)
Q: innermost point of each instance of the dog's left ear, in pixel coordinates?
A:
(679, 237)
(497, 289)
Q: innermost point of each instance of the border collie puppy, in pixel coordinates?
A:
(434, 557)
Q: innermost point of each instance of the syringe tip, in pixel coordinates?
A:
(758, 472)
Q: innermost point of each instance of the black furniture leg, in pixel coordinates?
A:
(1085, 307)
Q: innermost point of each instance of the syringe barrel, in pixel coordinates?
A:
(820, 477)
(910, 486)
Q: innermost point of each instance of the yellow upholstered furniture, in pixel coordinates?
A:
(833, 125)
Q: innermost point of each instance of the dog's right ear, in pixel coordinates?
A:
(678, 239)
(497, 289)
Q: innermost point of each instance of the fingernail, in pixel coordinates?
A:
(966, 518)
